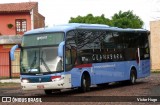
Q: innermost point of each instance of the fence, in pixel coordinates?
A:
(8, 68)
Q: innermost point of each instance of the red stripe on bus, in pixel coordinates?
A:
(83, 65)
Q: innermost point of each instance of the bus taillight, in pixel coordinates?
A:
(56, 78)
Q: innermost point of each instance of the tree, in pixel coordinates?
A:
(120, 19)
(90, 19)
(126, 20)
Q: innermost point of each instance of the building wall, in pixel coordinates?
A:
(155, 45)
(10, 18)
(5, 48)
(39, 20)
(7, 67)
(4, 65)
(4, 61)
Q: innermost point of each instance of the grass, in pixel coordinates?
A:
(155, 71)
(10, 84)
(9, 78)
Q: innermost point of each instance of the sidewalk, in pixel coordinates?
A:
(9, 80)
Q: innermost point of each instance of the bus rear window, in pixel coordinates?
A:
(42, 39)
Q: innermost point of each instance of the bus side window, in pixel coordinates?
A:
(68, 59)
(68, 56)
(78, 60)
(86, 59)
(71, 49)
(73, 55)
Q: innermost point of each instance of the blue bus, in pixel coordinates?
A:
(81, 55)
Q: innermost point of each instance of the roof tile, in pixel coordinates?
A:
(17, 7)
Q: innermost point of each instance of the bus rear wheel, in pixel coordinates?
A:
(85, 83)
(133, 77)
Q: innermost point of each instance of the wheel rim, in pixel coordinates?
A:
(133, 78)
(84, 83)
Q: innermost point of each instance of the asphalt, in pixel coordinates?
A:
(9, 80)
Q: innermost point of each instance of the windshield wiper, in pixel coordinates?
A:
(34, 60)
(44, 63)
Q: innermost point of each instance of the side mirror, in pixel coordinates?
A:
(13, 50)
(61, 48)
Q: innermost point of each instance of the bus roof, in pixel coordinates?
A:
(72, 26)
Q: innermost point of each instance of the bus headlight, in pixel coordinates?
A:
(25, 80)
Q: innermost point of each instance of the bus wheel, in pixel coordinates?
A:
(85, 83)
(48, 92)
(132, 77)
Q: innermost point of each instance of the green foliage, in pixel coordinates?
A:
(90, 19)
(126, 20)
(120, 19)
(10, 25)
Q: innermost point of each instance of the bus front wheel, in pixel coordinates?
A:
(85, 83)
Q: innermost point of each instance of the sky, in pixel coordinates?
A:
(60, 11)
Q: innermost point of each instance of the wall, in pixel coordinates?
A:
(7, 67)
(155, 45)
(4, 62)
(39, 20)
(10, 18)
(5, 48)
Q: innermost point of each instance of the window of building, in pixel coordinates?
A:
(21, 26)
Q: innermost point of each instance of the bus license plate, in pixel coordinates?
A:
(40, 86)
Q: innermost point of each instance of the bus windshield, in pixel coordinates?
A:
(39, 53)
(40, 60)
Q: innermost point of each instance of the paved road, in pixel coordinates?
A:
(149, 86)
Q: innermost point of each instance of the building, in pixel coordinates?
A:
(15, 19)
(155, 45)
(9, 68)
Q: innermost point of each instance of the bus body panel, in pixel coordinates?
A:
(108, 72)
(111, 72)
(145, 68)
(46, 82)
(99, 73)
(76, 74)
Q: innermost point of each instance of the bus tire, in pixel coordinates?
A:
(133, 77)
(48, 92)
(85, 83)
